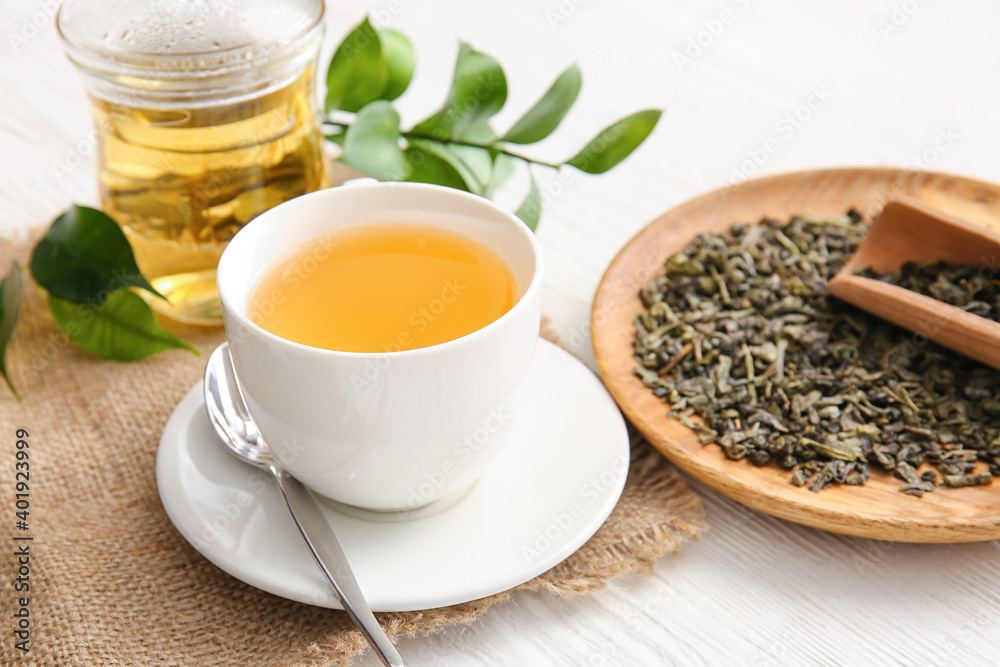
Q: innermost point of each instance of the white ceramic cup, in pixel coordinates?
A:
(392, 430)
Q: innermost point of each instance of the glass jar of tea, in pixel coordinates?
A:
(205, 118)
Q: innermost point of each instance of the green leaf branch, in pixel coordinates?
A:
(455, 146)
(88, 270)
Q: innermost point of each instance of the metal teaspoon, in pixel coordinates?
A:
(229, 415)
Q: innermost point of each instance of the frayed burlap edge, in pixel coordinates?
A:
(115, 582)
(606, 555)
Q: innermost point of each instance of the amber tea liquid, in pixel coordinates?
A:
(383, 288)
(182, 181)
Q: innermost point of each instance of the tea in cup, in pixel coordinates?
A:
(380, 333)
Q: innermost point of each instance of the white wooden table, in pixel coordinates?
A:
(751, 87)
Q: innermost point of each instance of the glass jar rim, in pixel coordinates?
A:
(187, 63)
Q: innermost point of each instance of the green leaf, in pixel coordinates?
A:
(616, 142)
(358, 73)
(479, 164)
(10, 306)
(530, 210)
(548, 112)
(503, 168)
(371, 144)
(479, 133)
(123, 328)
(472, 164)
(429, 168)
(84, 257)
(400, 60)
(336, 138)
(478, 91)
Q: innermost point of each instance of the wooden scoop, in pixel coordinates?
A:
(908, 230)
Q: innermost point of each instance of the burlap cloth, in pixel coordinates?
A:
(113, 583)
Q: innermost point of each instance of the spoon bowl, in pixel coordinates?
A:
(228, 412)
(232, 422)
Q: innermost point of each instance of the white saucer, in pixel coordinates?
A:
(546, 494)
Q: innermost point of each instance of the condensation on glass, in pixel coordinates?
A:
(205, 118)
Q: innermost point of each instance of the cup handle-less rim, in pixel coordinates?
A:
(235, 307)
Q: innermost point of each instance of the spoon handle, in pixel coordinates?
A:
(330, 557)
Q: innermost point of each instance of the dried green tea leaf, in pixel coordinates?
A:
(968, 480)
(835, 448)
(741, 332)
(969, 287)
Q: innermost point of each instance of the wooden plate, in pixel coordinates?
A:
(877, 510)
